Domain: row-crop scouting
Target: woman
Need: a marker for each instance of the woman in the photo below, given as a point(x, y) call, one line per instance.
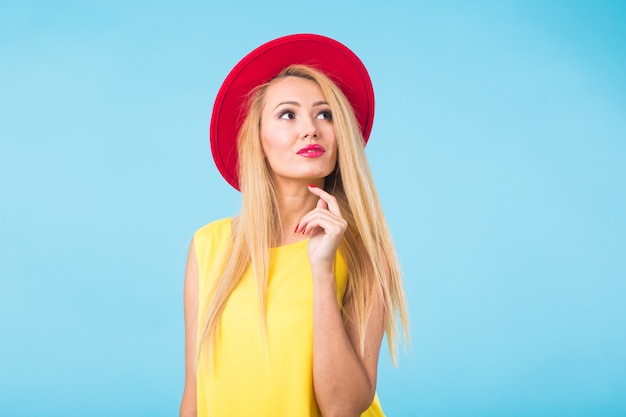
point(286, 304)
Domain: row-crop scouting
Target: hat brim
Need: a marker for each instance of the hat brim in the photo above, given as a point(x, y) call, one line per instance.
point(334, 59)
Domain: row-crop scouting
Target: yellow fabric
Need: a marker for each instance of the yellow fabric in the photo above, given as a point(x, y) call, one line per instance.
point(248, 379)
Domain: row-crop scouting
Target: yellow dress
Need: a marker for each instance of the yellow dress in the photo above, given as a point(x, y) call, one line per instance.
point(248, 378)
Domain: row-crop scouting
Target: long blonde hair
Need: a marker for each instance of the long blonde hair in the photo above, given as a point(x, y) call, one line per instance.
point(374, 270)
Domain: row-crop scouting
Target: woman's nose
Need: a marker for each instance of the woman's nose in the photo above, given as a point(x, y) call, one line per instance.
point(310, 134)
point(309, 130)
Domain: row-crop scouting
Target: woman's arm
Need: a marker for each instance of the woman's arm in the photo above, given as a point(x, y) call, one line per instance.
point(188, 403)
point(343, 380)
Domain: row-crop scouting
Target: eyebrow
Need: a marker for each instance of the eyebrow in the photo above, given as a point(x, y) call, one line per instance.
point(295, 103)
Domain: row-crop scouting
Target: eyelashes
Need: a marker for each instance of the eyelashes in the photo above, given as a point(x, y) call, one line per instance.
point(325, 115)
point(288, 114)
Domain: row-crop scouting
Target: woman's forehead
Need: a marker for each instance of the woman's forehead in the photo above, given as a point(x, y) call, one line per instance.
point(293, 90)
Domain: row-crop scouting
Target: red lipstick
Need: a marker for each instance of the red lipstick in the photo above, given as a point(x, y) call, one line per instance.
point(311, 151)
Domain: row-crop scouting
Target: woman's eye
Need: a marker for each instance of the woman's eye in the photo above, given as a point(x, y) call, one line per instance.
point(325, 115)
point(287, 114)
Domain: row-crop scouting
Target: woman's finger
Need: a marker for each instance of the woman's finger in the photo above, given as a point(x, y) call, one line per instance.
point(324, 219)
point(330, 200)
point(321, 204)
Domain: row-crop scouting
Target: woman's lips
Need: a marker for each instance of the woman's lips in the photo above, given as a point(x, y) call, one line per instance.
point(311, 151)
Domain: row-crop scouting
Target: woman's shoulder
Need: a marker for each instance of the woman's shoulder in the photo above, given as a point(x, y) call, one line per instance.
point(216, 230)
point(211, 239)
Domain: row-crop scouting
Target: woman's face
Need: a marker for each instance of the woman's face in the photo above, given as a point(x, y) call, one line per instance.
point(297, 132)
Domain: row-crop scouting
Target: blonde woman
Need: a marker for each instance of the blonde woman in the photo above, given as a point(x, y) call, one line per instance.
point(286, 304)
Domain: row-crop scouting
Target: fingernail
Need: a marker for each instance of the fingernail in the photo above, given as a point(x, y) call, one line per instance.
point(296, 229)
point(313, 185)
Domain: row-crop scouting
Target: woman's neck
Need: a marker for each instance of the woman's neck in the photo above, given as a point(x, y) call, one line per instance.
point(294, 201)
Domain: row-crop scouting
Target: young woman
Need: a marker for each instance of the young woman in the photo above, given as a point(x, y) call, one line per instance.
point(286, 304)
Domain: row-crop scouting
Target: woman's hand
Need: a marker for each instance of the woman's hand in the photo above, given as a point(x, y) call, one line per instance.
point(344, 377)
point(325, 226)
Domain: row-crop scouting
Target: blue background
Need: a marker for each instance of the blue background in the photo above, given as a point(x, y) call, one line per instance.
point(499, 151)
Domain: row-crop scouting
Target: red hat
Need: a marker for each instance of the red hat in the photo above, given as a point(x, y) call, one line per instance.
point(334, 59)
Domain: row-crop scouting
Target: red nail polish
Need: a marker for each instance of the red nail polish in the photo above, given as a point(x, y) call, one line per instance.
point(296, 229)
point(312, 185)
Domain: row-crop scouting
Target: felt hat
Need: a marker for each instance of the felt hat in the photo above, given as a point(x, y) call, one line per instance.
point(327, 55)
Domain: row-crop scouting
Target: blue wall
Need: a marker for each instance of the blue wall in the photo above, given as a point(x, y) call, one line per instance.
point(499, 150)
